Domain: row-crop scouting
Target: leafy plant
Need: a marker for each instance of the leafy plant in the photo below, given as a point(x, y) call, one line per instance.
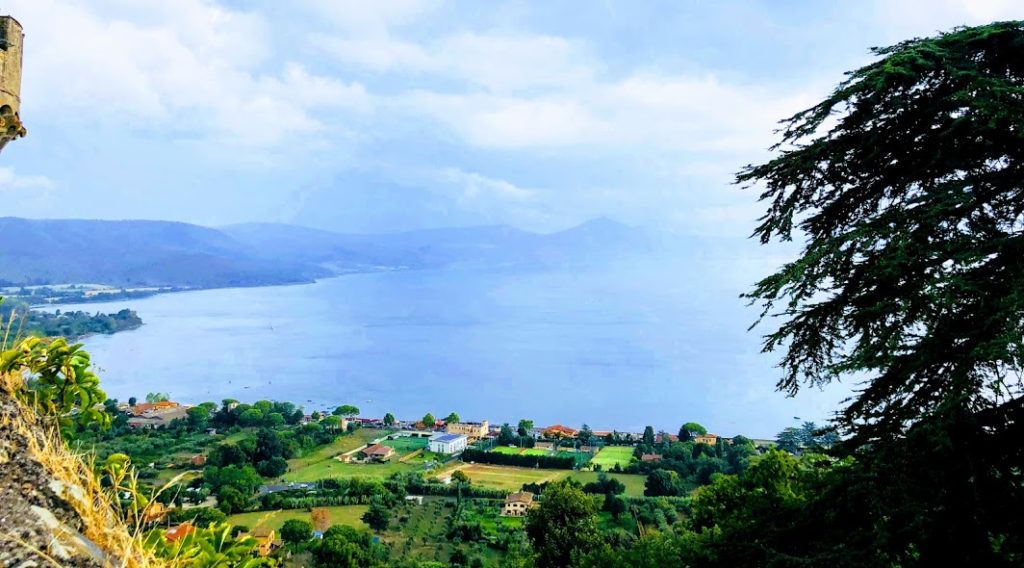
point(57, 381)
point(210, 547)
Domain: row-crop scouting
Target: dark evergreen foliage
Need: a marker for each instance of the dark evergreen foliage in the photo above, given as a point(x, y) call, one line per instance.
point(545, 462)
point(907, 184)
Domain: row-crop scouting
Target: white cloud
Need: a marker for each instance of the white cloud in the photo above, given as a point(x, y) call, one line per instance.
point(520, 90)
point(658, 112)
point(190, 67)
point(919, 18)
point(11, 181)
point(476, 186)
point(495, 121)
point(496, 62)
point(509, 62)
point(378, 54)
point(371, 18)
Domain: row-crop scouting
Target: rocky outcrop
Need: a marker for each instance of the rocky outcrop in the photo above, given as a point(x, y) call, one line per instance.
point(41, 523)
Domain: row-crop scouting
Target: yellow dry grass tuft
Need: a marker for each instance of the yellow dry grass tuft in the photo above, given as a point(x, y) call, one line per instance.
point(104, 522)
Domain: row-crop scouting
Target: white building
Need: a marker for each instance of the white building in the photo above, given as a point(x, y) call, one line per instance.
point(448, 443)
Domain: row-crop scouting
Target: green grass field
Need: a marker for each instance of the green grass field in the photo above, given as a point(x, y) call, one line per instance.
point(405, 445)
point(610, 455)
point(508, 478)
point(343, 444)
point(512, 478)
point(334, 469)
point(634, 483)
point(320, 464)
point(520, 451)
point(506, 450)
point(536, 452)
point(342, 515)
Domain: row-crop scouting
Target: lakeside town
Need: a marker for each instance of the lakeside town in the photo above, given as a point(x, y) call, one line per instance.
point(287, 144)
point(262, 465)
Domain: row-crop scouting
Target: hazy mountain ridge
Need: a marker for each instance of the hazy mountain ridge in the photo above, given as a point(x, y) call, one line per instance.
point(425, 248)
point(163, 253)
point(134, 253)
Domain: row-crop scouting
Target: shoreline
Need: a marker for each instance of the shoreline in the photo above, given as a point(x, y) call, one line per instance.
point(98, 299)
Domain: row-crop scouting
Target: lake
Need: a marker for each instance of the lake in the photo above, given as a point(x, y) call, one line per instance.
point(622, 346)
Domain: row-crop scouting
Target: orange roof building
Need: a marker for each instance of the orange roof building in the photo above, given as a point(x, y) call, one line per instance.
point(379, 452)
point(709, 439)
point(144, 407)
point(559, 431)
point(265, 541)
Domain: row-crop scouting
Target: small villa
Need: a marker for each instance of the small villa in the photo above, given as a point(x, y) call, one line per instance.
point(650, 457)
point(517, 504)
point(265, 541)
point(709, 439)
point(379, 452)
point(448, 443)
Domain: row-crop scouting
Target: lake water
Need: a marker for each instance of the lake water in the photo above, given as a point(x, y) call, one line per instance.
point(622, 346)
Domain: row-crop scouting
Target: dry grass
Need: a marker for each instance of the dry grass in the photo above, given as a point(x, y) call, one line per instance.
point(104, 522)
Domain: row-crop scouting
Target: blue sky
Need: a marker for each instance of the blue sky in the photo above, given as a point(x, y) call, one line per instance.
point(374, 116)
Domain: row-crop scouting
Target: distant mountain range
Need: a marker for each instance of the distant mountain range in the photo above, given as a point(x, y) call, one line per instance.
point(162, 253)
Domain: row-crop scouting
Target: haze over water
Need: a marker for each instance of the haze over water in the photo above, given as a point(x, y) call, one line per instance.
point(621, 346)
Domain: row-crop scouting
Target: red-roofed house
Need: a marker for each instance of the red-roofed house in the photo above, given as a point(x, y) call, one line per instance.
point(144, 407)
point(559, 431)
point(379, 452)
point(650, 457)
point(709, 439)
point(661, 437)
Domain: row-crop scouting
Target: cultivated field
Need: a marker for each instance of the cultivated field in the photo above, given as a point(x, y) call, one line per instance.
point(342, 515)
point(506, 477)
point(610, 455)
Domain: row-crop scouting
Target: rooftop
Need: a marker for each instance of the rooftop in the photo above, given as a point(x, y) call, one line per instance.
point(377, 449)
point(446, 437)
point(558, 428)
point(520, 497)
